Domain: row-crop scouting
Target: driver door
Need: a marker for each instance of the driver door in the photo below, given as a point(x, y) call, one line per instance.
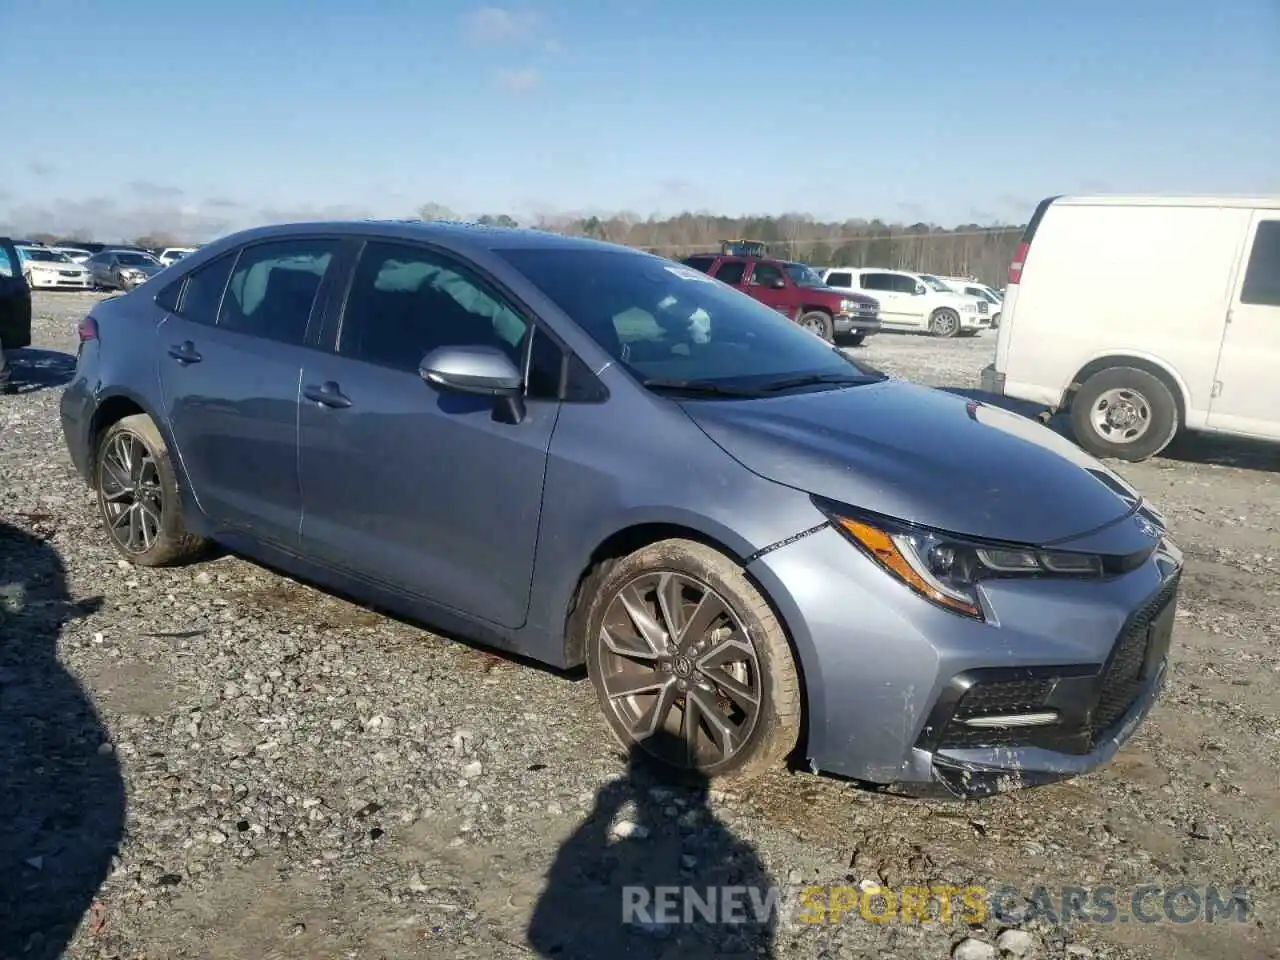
point(763, 286)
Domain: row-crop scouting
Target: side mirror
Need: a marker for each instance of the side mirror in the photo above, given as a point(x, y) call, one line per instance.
point(779, 284)
point(921, 289)
point(477, 370)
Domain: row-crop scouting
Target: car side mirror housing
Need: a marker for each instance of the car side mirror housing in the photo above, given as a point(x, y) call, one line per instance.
point(921, 290)
point(478, 370)
point(779, 284)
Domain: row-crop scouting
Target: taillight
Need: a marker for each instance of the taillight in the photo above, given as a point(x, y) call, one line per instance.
point(1019, 258)
point(88, 329)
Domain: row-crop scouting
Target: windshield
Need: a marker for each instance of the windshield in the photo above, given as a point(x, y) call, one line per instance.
point(936, 283)
point(663, 320)
point(135, 259)
point(38, 255)
point(804, 276)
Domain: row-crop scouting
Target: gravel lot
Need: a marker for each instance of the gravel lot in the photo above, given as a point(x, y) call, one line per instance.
point(218, 762)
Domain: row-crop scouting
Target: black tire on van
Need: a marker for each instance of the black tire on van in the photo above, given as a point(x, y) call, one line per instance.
point(1125, 413)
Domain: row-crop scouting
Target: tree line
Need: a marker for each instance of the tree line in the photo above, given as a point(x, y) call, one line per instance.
point(978, 250)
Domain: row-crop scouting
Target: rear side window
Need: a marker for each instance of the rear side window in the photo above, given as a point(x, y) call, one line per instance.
point(1262, 278)
point(202, 290)
point(274, 286)
point(699, 263)
point(840, 279)
point(731, 272)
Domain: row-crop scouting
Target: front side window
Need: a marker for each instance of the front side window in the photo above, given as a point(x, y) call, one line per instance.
point(902, 283)
point(1262, 276)
point(130, 259)
point(274, 286)
point(765, 274)
point(803, 275)
point(406, 301)
point(664, 321)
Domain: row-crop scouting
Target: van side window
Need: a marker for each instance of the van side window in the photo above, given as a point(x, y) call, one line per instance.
point(1262, 278)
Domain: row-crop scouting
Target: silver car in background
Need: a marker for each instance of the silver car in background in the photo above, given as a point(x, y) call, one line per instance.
point(122, 269)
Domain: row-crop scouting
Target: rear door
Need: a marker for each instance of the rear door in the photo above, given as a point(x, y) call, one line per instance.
point(432, 493)
point(1247, 392)
point(230, 358)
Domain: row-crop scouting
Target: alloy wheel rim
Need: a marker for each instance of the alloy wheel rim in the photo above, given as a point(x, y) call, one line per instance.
point(946, 324)
point(1121, 415)
point(675, 658)
point(132, 497)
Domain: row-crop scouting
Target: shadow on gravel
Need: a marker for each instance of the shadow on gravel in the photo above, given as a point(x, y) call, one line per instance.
point(605, 896)
point(35, 370)
point(62, 800)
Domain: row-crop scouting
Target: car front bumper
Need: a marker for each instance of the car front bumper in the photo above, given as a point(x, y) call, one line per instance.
point(975, 321)
point(48, 281)
point(846, 323)
point(892, 683)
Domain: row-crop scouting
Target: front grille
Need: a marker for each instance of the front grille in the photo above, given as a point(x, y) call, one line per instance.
point(982, 307)
point(995, 698)
point(1122, 677)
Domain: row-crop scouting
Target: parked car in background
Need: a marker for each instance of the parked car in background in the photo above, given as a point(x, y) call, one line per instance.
point(15, 302)
point(914, 301)
point(979, 291)
point(47, 269)
point(76, 254)
point(1182, 329)
point(171, 255)
point(587, 454)
point(796, 291)
point(122, 269)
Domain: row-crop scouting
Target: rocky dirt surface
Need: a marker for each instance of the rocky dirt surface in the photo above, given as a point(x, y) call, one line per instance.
point(215, 761)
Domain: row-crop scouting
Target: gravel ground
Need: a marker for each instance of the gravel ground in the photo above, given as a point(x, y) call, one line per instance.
point(218, 762)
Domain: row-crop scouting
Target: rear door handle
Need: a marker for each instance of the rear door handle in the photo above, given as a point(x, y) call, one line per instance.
point(328, 393)
point(185, 352)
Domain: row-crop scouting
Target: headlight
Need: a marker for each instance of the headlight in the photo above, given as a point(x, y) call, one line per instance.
point(945, 569)
point(848, 306)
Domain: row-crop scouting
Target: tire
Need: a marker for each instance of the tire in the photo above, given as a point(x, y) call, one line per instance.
point(944, 322)
point(1120, 396)
point(766, 667)
point(855, 339)
point(819, 323)
point(995, 321)
point(159, 507)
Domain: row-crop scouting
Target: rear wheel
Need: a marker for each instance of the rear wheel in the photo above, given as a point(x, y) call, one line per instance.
point(817, 322)
point(689, 663)
point(945, 322)
point(1125, 413)
point(138, 495)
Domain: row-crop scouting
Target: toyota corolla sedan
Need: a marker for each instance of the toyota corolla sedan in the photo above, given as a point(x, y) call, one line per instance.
point(586, 454)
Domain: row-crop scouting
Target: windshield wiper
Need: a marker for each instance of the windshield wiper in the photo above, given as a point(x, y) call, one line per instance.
point(817, 379)
point(703, 387)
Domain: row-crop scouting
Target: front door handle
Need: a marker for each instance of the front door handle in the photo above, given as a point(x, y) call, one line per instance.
point(185, 352)
point(328, 394)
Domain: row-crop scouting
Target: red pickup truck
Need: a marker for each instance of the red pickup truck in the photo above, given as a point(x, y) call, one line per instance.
point(796, 291)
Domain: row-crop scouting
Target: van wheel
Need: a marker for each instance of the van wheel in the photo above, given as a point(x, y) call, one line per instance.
point(817, 322)
point(945, 322)
point(690, 665)
point(1124, 413)
point(138, 496)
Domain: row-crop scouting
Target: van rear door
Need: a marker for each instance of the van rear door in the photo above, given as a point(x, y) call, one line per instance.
point(1246, 395)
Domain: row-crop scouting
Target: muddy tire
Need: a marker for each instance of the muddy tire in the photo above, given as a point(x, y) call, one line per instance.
point(690, 665)
point(138, 496)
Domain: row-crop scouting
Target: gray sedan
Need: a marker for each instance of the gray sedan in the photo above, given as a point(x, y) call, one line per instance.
point(122, 269)
point(587, 455)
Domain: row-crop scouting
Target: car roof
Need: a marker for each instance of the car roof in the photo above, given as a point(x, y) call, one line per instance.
point(456, 234)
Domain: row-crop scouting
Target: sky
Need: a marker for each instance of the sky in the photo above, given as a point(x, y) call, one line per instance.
point(198, 118)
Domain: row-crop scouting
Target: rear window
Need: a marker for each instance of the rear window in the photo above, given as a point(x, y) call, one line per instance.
point(699, 263)
point(1262, 278)
point(731, 272)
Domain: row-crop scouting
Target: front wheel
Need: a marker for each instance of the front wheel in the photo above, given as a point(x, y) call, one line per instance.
point(945, 322)
point(1124, 413)
point(820, 324)
point(138, 495)
point(690, 665)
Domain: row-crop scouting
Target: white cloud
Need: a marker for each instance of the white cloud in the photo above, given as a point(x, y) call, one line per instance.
point(495, 25)
point(519, 81)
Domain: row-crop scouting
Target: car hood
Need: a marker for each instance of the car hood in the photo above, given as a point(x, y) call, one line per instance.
point(922, 455)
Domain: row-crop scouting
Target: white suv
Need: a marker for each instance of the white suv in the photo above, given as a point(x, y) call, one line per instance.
point(976, 288)
point(914, 301)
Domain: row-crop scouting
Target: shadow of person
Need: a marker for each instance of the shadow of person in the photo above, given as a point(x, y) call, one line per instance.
point(652, 872)
point(62, 800)
point(34, 369)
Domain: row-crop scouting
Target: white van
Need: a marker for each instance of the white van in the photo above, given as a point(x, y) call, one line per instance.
point(914, 301)
point(1180, 330)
